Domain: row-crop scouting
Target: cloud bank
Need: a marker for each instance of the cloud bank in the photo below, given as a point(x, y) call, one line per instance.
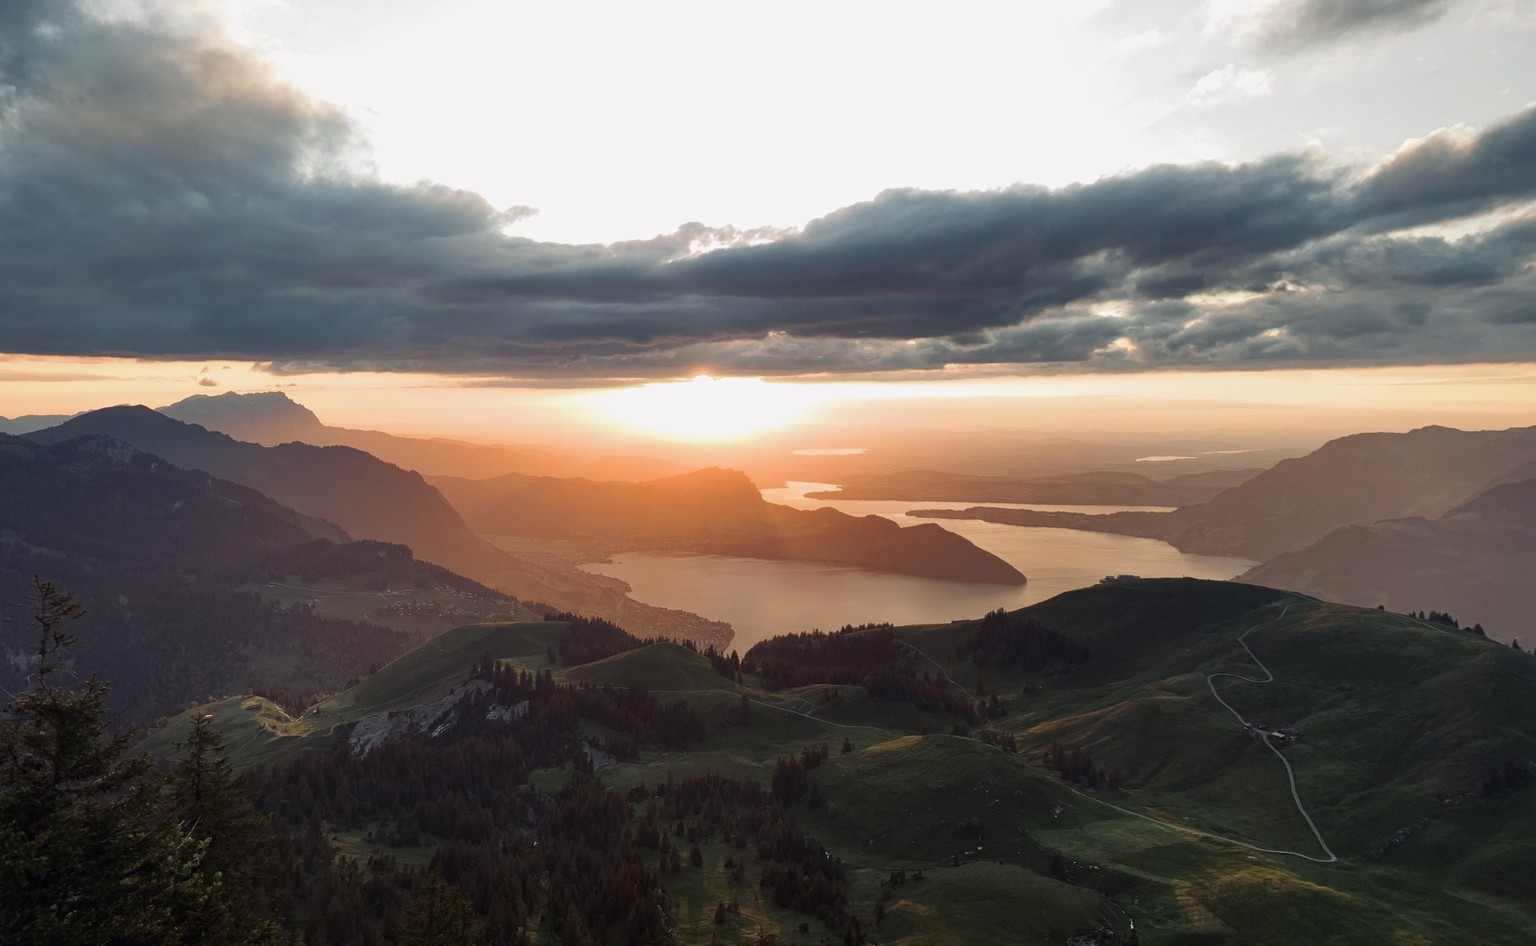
point(164, 194)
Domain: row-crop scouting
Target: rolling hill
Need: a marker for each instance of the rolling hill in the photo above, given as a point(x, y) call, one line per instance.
point(1414, 757)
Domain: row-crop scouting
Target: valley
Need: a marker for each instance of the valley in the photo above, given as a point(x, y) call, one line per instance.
point(679, 474)
point(1170, 755)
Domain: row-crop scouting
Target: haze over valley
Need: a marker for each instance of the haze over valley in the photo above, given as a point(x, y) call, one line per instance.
point(679, 474)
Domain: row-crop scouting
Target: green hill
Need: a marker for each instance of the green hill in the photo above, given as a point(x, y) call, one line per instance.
point(982, 902)
point(921, 799)
point(662, 667)
point(437, 666)
point(1413, 760)
point(257, 731)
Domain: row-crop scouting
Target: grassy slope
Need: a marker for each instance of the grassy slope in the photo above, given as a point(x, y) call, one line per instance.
point(256, 731)
point(1143, 705)
point(1392, 713)
point(661, 667)
point(983, 902)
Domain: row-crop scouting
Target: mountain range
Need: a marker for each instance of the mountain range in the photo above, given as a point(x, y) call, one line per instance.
point(1355, 480)
point(370, 498)
point(272, 418)
point(27, 423)
point(1474, 562)
point(1414, 521)
point(162, 556)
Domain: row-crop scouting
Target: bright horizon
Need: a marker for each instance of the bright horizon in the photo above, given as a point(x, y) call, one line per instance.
point(735, 410)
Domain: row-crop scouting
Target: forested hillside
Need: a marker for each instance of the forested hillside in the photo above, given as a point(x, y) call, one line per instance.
point(176, 565)
point(1050, 775)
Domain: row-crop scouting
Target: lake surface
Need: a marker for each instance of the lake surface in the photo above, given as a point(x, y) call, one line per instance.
point(761, 598)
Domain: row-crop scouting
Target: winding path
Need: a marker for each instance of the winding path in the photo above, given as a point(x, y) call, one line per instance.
point(1290, 775)
point(1175, 826)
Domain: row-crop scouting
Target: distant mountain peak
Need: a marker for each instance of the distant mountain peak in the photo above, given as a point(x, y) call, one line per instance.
point(120, 414)
point(267, 417)
point(711, 481)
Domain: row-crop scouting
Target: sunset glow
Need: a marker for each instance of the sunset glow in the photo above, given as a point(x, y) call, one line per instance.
point(420, 399)
point(705, 408)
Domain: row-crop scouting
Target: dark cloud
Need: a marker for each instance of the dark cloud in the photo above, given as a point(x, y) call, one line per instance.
point(1454, 171)
point(162, 193)
point(1356, 261)
point(1298, 24)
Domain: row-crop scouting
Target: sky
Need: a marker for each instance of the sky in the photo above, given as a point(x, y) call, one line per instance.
point(400, 205)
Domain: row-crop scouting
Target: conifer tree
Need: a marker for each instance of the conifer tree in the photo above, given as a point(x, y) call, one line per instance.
point(212, 806)
point(87, 856)
point(441, 916)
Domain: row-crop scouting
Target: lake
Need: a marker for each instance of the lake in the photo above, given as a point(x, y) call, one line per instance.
point(762, 598)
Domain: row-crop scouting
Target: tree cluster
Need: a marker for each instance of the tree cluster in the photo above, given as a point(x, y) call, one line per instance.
point(588, 639)
point(1442, 617)
point(579, 876)
point(1004, 641)
point(1077, 766)
point(844, 657)
point(1006, 741)
point(796, 871)
point(870, 656)
point(791, 782)
point(553, 708)
point(925, 692)
point(727, 665)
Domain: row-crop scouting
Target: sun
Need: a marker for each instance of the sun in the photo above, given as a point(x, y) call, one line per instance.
point(704, 408)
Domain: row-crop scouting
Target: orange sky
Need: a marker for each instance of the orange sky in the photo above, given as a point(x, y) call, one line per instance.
point(1326, 401)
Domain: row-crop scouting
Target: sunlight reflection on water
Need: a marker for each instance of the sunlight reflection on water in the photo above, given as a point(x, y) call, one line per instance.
point(761, 598)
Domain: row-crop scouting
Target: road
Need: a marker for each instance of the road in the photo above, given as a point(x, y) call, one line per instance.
point(1290, 774)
